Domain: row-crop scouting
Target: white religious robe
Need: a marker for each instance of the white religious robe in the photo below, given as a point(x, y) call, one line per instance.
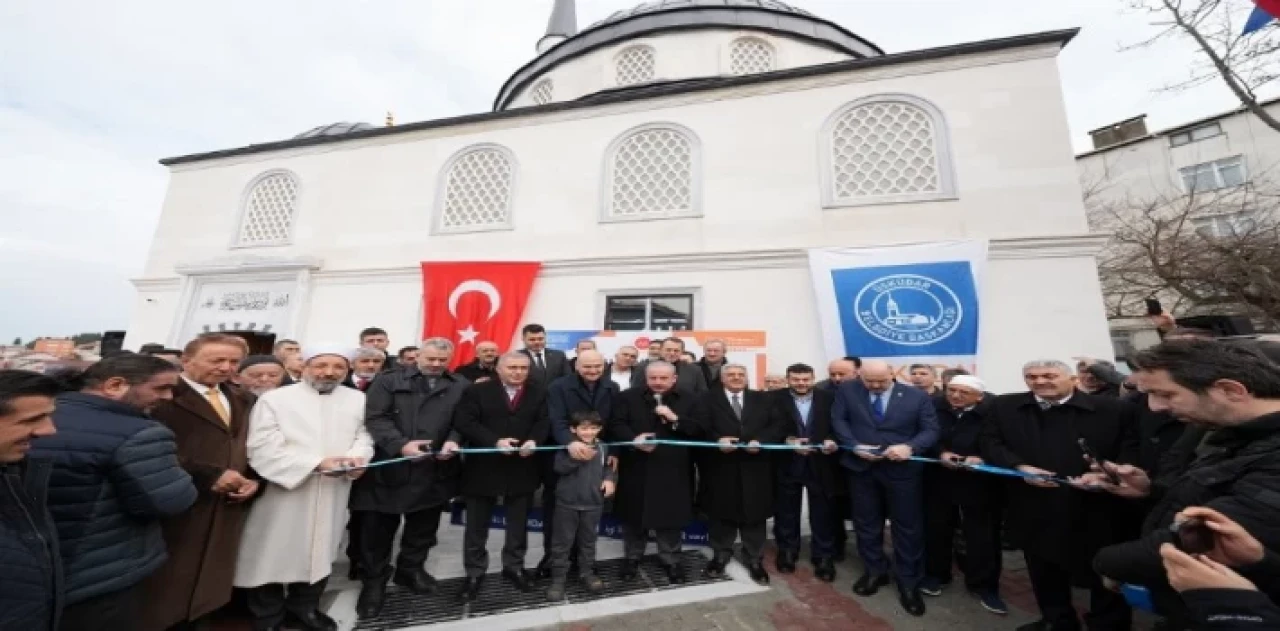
point(294, 528)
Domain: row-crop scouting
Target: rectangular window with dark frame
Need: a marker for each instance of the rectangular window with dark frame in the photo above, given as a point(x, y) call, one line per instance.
point(657, 312)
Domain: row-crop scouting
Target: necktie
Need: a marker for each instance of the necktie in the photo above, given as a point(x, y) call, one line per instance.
point(541, 365)
point(215, 401)
point(736, 401)
point(877, 407)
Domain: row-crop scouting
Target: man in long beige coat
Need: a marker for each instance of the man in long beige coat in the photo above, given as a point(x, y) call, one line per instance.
point(302, 440)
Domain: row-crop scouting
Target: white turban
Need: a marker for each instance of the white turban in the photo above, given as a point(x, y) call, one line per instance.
point(968, 381)
point(312, 351)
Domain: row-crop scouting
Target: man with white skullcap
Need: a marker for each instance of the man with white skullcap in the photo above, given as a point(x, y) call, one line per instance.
point(956, 496)
point(304, 440)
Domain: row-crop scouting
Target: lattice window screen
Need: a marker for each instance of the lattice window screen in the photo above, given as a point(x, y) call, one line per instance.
point(749, 55)
point(882, 149)
point(478, 190)
point(652, 174)
point(268, 213)
point(635, 65)
point(542, 92)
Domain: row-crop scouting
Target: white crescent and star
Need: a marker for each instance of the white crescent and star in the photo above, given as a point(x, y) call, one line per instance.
point(469, 334)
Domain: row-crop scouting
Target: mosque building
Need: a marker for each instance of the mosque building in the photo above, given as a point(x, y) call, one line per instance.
point(669, 166)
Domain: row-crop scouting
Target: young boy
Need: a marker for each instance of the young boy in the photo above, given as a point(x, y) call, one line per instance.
point(580, 495)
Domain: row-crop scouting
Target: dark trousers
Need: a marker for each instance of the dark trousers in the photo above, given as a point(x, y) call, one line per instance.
point(354, 523)
point(980, 528)
point(574, 525)
point(723, 533)
point(549, 479)
point(269, 603)
point(475, 557)
point(115, 611)
point(635, 538)
point(377, 532)
point(789, 503)
point(1051, 582)
point(840, 513)
point(900, 486)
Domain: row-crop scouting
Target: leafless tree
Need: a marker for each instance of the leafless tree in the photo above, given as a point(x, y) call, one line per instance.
point(1215, 251)
point(1245, 63)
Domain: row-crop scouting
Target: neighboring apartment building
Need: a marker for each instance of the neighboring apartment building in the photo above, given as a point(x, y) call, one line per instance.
point(1131, 166)
point(57, 347)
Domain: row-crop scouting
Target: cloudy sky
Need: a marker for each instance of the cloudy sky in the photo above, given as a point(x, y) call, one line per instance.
point(93, 93)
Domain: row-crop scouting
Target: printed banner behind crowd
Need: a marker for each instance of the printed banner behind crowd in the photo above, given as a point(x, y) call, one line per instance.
point(905, 304)
point(742, 347)
point(472, 302)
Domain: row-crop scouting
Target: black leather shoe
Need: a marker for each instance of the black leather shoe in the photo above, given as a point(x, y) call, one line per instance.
point(824, 570)
point(786, 562)
point(675, 574)
point(544, 568)
point(868, 584)
point(714, 569)
point(912, 602)
point(470, 589)
point(417, 581)
point(311, 621)
point(373, 595)
point(629, 570)
point(758, 573)
point(520, 579)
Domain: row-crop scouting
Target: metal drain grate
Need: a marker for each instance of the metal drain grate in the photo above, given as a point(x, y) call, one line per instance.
point(405, 609)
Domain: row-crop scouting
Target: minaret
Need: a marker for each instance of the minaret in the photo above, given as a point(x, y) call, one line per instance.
point(562, 25)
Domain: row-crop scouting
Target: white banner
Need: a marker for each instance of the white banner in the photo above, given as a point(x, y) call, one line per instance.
point(905, 304)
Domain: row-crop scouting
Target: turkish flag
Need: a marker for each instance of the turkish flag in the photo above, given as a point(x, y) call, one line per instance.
point(472, 302)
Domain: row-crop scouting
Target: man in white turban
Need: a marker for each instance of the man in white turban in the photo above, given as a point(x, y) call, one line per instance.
point(306, 441)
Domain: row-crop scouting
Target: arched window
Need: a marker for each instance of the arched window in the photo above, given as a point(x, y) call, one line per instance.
point(652, 172)
point(267, 215)
point(476, 190)
point(542, 92)
point(751, 55)
point(635, 65)
point(886, 148)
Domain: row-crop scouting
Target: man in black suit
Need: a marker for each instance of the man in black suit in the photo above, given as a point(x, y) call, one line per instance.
point(586, 391)
point(1059, 529)
point(811, 468)
point(886, 423)
point(839, 371)
point(737, 480)
point(688, 376)
point(485, 366)
point(509, 413)
point(546, 364)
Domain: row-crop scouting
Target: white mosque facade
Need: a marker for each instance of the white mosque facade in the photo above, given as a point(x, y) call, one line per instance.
point(683, 154)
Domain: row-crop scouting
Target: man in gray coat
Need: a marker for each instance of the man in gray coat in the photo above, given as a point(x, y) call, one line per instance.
point(408, 413)
point(689, 377)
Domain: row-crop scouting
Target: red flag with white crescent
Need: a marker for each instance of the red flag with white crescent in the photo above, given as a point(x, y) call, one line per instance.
point(472, 302)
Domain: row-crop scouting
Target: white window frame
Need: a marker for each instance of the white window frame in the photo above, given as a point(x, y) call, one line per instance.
point(947, 189)
point(1216, 166)
point(618, 58)
point(1225, 224)
point(442, 186)
point(247, 194)
point(1189, 136)
point(603, 296)
point(695, 192)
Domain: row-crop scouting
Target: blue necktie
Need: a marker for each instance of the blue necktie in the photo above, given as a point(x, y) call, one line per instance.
point(877, 407)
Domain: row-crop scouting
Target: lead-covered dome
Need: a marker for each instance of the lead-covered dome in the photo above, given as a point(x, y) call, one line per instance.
point(662, 17)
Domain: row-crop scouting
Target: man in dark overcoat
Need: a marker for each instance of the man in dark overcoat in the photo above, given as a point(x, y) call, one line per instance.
point(737, 480)
point(1058, 528)
point(408, 413)
point(653, 480)
point(585, 391)
point(509, 413)
point(210, 421)
point(813, 469)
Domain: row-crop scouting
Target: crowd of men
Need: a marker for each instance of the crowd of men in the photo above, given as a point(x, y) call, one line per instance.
point(140, 492)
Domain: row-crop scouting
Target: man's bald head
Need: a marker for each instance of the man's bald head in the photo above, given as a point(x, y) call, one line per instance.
point(590, 365)
point(841, 370)
point(877, 375)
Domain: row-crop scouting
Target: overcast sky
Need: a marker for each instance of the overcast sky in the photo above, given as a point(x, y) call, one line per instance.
point(93, 93)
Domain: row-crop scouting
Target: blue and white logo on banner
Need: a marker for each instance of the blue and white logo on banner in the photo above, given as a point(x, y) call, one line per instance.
point(908, 310)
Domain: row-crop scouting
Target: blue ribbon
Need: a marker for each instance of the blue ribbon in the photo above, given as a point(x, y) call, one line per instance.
point(702, 444)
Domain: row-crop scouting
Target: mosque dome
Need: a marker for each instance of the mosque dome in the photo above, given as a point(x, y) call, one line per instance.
point(777, 23)
point(333, 129)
